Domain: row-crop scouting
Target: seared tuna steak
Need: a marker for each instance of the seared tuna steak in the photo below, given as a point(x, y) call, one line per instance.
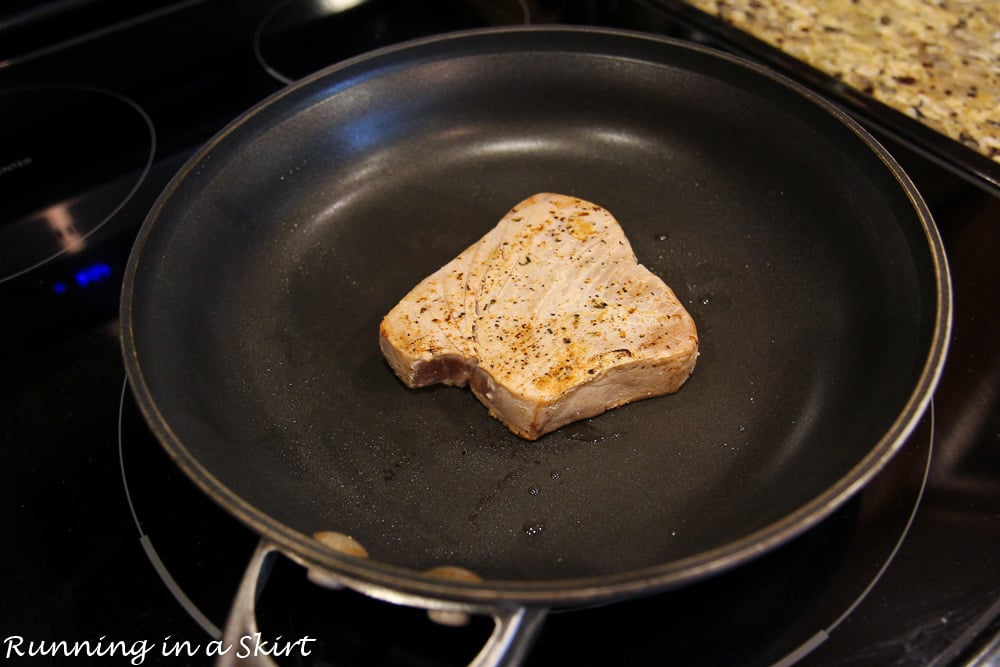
point(549, 318)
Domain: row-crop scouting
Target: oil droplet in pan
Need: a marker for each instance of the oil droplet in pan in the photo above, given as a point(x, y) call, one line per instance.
point(533, 527)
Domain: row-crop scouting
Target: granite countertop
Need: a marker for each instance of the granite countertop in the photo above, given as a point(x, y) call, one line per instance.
point(937, 61)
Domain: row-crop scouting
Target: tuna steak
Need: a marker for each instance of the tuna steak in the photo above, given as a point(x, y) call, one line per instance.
point(549, 318)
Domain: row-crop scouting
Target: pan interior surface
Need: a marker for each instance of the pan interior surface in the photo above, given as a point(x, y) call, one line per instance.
point(262, 275)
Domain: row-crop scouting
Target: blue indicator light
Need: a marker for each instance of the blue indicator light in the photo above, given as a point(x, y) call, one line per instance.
point(92, 274)
point(85, 278)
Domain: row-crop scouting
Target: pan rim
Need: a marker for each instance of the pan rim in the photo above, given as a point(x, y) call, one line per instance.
point(398, 583)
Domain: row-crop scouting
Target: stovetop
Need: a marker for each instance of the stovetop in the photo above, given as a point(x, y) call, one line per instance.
point(102, 102)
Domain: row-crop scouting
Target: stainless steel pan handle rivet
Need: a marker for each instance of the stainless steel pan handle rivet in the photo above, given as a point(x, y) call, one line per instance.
point(341, 543)
point(451, 617)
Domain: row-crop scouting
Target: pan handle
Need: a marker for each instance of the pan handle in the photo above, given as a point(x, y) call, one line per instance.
point(242, 621)
point(514, 632)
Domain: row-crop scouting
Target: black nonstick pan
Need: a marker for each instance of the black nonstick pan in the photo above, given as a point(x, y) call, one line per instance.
point(254, 292)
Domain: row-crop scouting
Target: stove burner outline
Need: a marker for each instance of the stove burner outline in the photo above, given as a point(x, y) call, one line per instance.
point(258, 36)
point(70, 238)
point(824, 633)
point(147, 544)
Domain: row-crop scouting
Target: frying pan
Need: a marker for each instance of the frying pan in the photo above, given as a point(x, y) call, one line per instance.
point(253, 296)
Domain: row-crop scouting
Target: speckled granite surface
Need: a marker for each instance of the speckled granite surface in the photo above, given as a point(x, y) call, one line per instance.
point(937, 61)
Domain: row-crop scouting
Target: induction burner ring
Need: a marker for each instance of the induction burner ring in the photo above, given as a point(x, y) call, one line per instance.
point(299, 37)
point(824, 633)
point(175, 589)
point(838, 610)
point(71, 158)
